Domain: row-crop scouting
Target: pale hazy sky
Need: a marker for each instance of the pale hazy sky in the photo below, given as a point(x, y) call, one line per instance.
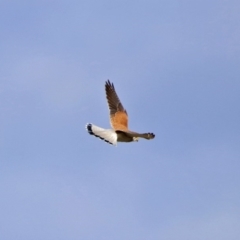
point(175, 66)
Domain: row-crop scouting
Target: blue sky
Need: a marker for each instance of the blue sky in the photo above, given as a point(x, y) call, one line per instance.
point(175, 66)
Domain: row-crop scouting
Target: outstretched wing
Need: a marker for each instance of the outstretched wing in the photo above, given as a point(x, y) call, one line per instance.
point(118, 115)
point(108, 135)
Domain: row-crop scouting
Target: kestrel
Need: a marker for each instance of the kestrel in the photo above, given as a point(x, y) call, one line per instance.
point(118, 120)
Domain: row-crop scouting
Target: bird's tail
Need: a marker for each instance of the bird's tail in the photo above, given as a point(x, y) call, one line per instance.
point(142, 135)
point(146, 135)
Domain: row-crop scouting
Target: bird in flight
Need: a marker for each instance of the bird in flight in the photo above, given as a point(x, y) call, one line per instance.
point(118, 120)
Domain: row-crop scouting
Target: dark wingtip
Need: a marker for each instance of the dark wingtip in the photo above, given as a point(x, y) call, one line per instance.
point(108, 84)
point(89, 128)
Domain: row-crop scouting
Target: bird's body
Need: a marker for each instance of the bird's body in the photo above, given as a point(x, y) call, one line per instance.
point(118, 120)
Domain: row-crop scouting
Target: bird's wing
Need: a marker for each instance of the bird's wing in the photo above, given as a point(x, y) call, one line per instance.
point(108, 135)
point(118, 115)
